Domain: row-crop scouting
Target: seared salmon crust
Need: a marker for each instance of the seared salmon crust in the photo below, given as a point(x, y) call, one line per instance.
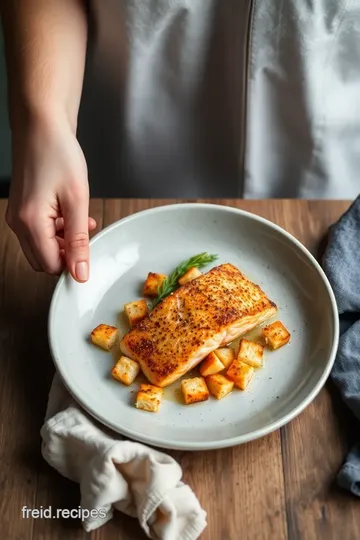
point(206, 313)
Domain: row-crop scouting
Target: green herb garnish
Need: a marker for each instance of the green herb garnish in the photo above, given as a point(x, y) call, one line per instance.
point(170, 284)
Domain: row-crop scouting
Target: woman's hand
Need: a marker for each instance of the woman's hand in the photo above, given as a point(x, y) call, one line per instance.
point(49, 198)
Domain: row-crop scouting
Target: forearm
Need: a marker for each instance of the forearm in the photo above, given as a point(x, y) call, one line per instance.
point(45, 47)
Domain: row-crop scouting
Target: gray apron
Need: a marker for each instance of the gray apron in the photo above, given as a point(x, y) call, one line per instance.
point(223, 98)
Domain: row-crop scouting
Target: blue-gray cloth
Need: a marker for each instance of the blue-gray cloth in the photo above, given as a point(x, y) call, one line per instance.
point(341, 263)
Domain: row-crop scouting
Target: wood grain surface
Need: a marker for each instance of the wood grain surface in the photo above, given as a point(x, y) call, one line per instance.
point(279, 487)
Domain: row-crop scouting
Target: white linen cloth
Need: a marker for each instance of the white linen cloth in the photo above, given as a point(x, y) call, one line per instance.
point(114, 473)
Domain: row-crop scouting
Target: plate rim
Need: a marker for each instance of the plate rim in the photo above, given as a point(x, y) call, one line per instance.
point(223, 443)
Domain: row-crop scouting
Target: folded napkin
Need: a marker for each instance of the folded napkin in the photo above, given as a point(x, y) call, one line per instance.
point(341, 263)
point(114, 473)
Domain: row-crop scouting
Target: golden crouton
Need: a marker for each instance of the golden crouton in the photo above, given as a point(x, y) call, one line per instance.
point(240, 373)
point(251, 353)
point(104, 336)
point(225, 355)
point(219, 386)
point(125, 370)
point(194, 390)
point(275, 335)
point(149, 398)
point(191, 274)
point(211, 365)
point(153, 283)
point(136, 311)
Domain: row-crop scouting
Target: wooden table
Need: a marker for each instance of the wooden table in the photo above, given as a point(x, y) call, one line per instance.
point(279, 487)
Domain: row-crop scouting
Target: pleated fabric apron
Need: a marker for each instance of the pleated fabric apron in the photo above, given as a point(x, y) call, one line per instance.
point(222, 98)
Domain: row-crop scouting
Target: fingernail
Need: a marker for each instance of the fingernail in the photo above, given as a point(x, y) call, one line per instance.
point(82, 271)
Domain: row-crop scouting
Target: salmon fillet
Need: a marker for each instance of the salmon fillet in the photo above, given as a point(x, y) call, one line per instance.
point(207, 313)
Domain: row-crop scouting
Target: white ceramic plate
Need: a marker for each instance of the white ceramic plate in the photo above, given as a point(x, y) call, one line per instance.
point(157, 240)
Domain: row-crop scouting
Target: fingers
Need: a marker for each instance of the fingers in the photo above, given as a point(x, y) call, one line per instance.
point(45, 246)
point(29, 254)
point(59, 223)
point(61, 242)
point(36, 234)
point(92, 224)
point(76, 236)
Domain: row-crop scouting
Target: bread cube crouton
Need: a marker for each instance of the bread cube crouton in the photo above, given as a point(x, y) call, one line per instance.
point(211, 365)
point(191, 274)
point(104, 336)
point(225, 355)
point(275, 335)
point(251, 353)
point(125, 370)
point(240, 373)
point(136, 311)
point(194, 390)
point(153, 283)
point(149, 398)
point(219, 386)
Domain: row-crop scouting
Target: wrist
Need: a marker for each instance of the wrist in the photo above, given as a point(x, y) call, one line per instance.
point(27, 117)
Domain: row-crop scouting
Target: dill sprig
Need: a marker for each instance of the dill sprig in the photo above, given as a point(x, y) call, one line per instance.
point(170, 284)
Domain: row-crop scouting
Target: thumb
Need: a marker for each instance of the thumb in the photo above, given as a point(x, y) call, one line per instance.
point(76, 238)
